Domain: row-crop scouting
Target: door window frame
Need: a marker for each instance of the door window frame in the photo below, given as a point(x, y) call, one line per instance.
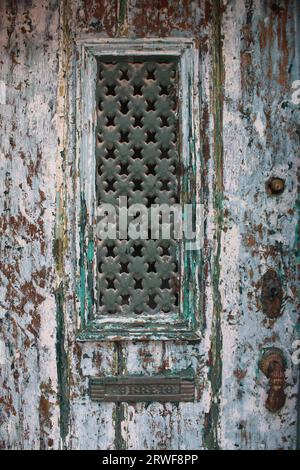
point(186, 324)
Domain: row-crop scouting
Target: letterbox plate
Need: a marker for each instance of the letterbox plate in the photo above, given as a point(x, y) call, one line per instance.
point(142, 389)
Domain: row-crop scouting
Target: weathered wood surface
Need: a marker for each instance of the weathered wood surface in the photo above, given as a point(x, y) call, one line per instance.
point(249, 63)
point(29, 44)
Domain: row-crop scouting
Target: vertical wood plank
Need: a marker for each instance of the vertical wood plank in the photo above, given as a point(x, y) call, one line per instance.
point(260, 140)
point(28, 76)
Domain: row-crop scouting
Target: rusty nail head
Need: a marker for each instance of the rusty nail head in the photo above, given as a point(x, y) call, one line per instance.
point(275, 186)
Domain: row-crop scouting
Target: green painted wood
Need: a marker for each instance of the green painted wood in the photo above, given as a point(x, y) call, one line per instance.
point(105, 143)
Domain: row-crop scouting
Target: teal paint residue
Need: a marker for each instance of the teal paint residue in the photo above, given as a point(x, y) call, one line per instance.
point(62, 364)
point(82, 269)
point(297, 232)
point(297, 328)
point(86, 283)
point(297, 325)
point(90, 277)
point(297, 251)
point(122, 11)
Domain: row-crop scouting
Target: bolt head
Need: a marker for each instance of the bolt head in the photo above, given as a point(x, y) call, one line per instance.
point(275, 186)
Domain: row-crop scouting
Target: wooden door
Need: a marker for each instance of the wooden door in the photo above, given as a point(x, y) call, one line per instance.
point(234, 347)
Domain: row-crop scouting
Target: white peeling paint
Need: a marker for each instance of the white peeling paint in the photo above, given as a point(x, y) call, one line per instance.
point(2, 92)
point(2, 352)
point(260, 125)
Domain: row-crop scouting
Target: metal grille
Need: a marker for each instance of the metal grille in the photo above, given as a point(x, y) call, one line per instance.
point(137, 157)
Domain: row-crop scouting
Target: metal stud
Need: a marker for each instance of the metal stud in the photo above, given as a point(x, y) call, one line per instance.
point(275, 186)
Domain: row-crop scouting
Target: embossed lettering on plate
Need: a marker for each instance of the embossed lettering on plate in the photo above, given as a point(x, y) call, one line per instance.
point(137, 388)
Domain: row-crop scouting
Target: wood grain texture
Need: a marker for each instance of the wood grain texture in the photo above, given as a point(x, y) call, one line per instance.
point(260, 140)
point(29, 45)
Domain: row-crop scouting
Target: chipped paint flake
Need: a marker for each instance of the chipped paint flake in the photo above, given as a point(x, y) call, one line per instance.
point(260, 125)
point(2, 92)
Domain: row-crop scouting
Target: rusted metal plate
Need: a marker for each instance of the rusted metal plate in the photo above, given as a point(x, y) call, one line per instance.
point(141, 389)
point(271, 294)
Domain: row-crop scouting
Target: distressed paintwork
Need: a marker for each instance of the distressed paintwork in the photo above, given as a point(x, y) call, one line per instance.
point(29, 38)
point(184, 324)
point(260, 140)
point(249, 132)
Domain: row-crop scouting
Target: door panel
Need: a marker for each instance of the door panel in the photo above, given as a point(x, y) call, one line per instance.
point(259, 143)
point(148, 425)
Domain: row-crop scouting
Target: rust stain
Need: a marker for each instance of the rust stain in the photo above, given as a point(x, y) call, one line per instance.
point(249, 240)
point(240, 374)
point(274, 44)
point(262, 35)
point(270, 38)
point(271, 339)
point(246, 68)
point(45, 412)
point(97, 359)
point(165, 17)
point(34, 167)
point(283, 45)
point(98, 15)
point(13, 225)
point(259, 229)
point(7, 404)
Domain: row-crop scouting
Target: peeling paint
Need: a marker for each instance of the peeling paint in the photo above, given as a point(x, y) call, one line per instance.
point(2, 92)
point(249, 133)
point(211, 438)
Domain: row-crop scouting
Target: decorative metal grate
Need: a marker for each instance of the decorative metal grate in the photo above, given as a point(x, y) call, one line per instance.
point(137, 157)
